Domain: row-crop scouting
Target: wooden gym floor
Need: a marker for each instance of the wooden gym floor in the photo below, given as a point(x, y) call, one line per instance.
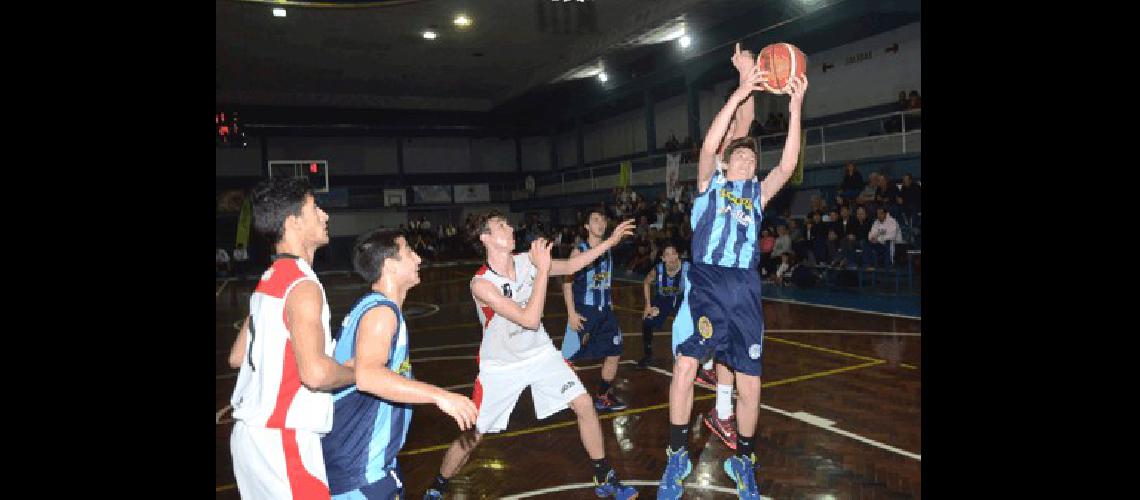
point(840, 418)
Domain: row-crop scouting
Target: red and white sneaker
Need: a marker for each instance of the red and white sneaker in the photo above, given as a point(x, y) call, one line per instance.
point(707, 377)
point(725, 429)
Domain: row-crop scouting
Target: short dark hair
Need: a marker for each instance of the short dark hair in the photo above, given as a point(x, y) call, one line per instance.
point(671, 243)
point(274, 200)
point(480, 226)
point(370, 250)
point(746, 142)
point(593, 211)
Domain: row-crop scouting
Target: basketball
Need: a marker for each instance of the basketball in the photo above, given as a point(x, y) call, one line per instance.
point(782, 61)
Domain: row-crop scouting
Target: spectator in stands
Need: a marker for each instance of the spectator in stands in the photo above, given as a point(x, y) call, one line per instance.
point(241, 256)
point(815, 232)
point(783, 245)
point(903, 103)
point(868, 193)
point(886, 195)
point(818, 206)
point(851, 185)
point(847, 255)
point(834, 255)
point(222, 260)
point(767, 244)
point(880, 244)
point(860, 228)
point(425, 224)
point(846, 223)
point(672, 145)
point(787, 266)
point(915, 100)
point(642, 260)
point(796, 234)
point(909, 199)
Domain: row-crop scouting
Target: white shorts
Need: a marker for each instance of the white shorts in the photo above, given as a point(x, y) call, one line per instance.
point(276, 464)
point(553, 384)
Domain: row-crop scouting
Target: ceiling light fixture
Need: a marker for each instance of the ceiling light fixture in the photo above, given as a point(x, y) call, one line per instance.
point(430, 35)
point(603, 77)
point(462, 20)
point(278, 12)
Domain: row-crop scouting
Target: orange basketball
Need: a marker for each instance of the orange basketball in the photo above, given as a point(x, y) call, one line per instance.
point(782, 61)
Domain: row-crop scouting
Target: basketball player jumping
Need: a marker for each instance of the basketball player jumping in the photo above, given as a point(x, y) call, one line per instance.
point(516, 352)
point(725, 296)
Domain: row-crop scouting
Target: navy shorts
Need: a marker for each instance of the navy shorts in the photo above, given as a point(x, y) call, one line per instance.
point(667, 307)
point(725, 307)
point(390, 486)
point(604, 335)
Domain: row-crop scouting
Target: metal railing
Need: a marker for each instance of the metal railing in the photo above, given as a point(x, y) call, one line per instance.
point(885, 134)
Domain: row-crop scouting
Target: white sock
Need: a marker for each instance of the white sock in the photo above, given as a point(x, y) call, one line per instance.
point(708, 364)
point(724, 401)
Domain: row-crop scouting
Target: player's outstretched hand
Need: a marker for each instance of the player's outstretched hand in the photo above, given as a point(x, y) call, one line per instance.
point(797, 86)
point(576, 320)
point(743, 61)
point(622, 230)
point(650, 312)
point(540, 254)
point(458, 407)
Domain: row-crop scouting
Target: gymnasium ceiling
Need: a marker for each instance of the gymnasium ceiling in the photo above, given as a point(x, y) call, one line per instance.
point(372, 55)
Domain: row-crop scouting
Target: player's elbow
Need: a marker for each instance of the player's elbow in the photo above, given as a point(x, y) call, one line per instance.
point(316, 376)
point(235, 360)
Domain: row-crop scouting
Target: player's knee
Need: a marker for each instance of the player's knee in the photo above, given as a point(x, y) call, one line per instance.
point(685, 366)
point(582, 405)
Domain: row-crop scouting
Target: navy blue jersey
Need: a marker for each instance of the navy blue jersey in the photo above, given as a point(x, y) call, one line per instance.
point(367, 431)
point(725, 221)
point(592, 283)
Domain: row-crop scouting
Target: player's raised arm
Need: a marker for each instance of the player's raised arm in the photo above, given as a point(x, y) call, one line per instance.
point(561, 267)
point(719, 126)
point(743, 61)
point(779, 176)
point(530, 317)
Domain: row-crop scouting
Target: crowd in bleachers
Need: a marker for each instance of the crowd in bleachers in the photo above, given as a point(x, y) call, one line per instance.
point(861, 226)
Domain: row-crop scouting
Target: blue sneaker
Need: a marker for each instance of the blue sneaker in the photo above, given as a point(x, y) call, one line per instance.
point(676, 471)
point(613, 488)
point(740, 470)
point(433, 494)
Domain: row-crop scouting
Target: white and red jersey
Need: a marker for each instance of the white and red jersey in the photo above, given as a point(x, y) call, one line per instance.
point(269, 392)
point(504, 341)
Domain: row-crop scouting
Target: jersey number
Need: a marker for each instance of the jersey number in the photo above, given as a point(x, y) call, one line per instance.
point(249, 350)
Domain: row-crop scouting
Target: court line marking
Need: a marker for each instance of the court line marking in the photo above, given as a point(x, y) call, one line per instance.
point(818, 421)
point(631, 411)
point(628, 482)
point(223, 287)
point(656, 334)
point(791, 301)
point(576, 368)
point(634, 411)
point(828, 306)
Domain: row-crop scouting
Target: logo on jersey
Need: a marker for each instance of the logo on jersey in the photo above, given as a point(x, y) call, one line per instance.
point(617, 339)
point(405, 366)
point(669, 291)
point(704, 326)
point(754, 351)
point(507, 290)
point(567, 387)
point(265, 276)
point(600, 280)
